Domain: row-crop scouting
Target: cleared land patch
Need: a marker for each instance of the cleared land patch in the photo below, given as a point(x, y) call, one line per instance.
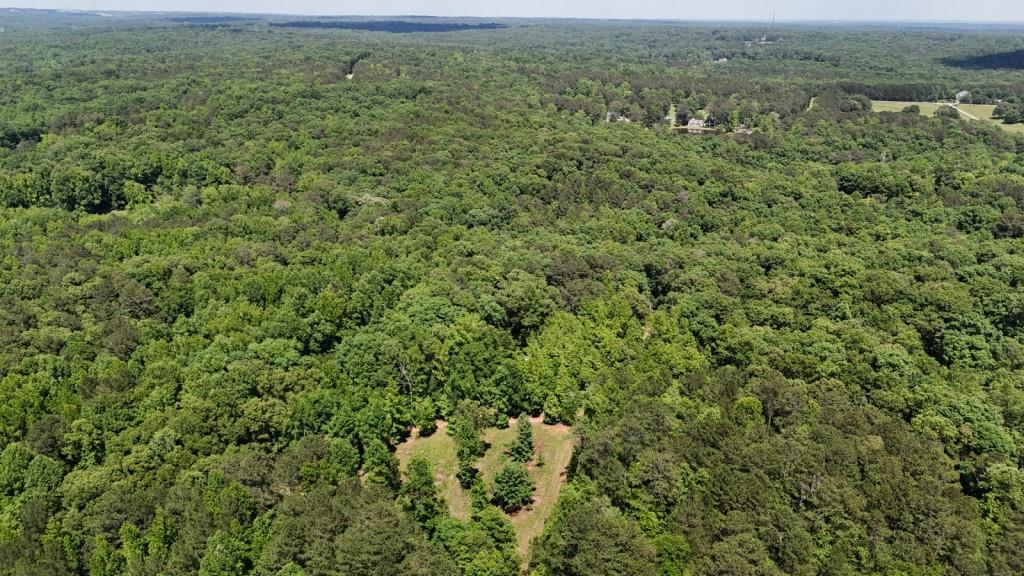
point(982, 112)
point(553, 446)
point(927, 108)
point(439, 450)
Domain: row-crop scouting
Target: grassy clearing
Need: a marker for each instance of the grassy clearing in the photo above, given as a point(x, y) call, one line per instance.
point(927, 108)
point(982, 112)
point(439, 450)
point(1015, 128)
point(553, 444)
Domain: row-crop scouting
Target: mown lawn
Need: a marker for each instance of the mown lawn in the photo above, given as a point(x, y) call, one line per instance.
point(927, 108)
point(981, 111)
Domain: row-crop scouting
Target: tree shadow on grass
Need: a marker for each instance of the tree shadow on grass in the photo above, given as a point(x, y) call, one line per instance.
point(998, 60)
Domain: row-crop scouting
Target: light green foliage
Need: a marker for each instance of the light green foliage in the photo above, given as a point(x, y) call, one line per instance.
point(233, 279)
point(749, 409)
point(225, 556)
point(14, 461)
point(291, 569)
point(104, 560)
point(673, 554)
point(425, 417)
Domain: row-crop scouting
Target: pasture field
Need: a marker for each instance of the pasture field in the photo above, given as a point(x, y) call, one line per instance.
point(927, 108)
point(982, 112)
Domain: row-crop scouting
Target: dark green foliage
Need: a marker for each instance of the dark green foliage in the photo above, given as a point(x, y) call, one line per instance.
point(513, 487)
point(521, 449)
point(232, 280)
point(484, 546)
point(479, 499)
point(418, 495)
point(878, 179)
point(465, 429)
point(1009, 112)
point(947, 112)
point(381, 465)
point(380, 542)
point(592, 538)
point(347, 530)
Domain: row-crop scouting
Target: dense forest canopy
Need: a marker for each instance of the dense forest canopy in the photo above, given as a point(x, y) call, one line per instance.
point(239, 262)
point(397, 26)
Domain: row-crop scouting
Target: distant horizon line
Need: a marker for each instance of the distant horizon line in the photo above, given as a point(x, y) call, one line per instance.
point(776, 20)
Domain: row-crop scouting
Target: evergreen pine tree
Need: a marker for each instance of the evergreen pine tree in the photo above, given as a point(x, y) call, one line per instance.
point(521, 449)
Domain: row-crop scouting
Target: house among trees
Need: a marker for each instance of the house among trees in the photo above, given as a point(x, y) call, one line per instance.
point(962, 95)
point(697, 126)
point(617, 117)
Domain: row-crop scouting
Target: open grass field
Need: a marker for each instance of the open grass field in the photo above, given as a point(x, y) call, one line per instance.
point(982, 112)
point(927, 108)
point(553, 445)
point(439, 450)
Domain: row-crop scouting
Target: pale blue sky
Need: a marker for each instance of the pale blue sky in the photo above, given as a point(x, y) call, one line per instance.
point(930, 10)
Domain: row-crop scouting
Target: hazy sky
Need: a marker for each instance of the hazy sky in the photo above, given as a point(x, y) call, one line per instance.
point(981, 10)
